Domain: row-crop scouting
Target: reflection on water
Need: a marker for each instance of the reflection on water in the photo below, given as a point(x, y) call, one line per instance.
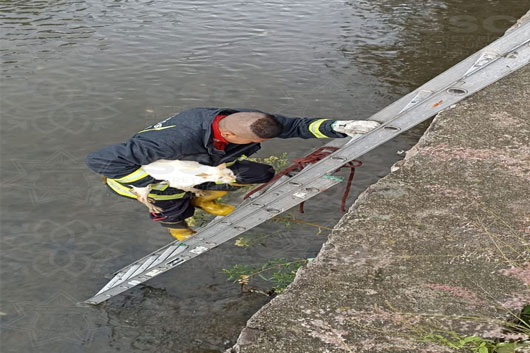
point(417, 41)
point(77, 75)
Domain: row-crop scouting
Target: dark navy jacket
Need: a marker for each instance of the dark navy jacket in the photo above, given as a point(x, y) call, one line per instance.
point(188, 136)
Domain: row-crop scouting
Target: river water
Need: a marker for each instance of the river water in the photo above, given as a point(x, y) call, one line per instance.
point(80, 74)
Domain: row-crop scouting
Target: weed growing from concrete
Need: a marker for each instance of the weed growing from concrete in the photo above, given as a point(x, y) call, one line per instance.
point(476, 344)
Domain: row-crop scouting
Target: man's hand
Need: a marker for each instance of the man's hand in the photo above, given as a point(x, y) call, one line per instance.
point(353, 127)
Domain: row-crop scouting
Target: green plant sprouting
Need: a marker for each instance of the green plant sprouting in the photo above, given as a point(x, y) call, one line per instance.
point(280, 272)
point(472, 344)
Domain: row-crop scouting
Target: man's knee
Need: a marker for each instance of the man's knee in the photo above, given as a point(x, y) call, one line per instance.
point(267, 172)
point(248, 172)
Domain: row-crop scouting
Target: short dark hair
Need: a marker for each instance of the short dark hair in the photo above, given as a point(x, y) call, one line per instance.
point(266, 127)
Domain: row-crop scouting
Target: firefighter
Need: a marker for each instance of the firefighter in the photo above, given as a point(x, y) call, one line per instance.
point(210, 136)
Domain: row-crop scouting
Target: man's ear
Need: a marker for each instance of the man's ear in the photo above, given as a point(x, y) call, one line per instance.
point(227, 133)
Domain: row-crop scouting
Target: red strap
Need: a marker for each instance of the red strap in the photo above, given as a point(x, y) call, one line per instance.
point(156, 217)
point(314, 157)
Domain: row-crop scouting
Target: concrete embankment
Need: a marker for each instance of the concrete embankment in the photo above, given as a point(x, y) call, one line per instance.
point(439, 246)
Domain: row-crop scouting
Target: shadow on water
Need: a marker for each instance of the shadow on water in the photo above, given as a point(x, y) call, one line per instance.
point(81, 74)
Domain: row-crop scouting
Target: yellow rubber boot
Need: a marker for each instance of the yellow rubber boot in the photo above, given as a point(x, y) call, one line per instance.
point(208, 203)
point(181, 234)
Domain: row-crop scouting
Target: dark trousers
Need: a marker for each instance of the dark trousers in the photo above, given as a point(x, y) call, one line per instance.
point(175, 211)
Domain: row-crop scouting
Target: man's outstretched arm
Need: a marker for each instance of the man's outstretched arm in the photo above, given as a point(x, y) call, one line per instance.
point(323, 128)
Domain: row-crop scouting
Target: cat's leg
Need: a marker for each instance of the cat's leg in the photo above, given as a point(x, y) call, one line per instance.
point(142, 195)
point(197, 192)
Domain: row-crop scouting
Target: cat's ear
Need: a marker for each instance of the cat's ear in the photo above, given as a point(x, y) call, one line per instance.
point(222, 166)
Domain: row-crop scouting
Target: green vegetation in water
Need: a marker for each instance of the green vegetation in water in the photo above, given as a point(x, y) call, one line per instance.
point(279, 272)
point(252, 240)
point(288, 221)
point(277, 162)
point(199, 218)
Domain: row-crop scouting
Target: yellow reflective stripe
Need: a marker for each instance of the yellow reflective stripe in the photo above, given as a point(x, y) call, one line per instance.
point(157, 128)
point(314, 128)
point(125, 191)
point(159, 186)
point(120, 189)
point(167, 197)
point(134, 176)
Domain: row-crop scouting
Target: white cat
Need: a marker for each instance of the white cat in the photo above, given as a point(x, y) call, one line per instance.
point(183, 175)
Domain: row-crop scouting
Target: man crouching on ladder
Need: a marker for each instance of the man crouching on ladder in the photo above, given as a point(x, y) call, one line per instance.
point(209, 137)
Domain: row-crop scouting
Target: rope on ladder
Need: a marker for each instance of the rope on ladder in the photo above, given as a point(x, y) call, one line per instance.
point(301, 163)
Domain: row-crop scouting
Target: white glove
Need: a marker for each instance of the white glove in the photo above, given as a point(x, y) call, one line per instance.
point(353, 127)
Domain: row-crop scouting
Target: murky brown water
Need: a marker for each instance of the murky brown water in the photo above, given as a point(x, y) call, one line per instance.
point(77, 75)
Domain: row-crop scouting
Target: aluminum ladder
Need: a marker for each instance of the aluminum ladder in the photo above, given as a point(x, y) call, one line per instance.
point(497, 60)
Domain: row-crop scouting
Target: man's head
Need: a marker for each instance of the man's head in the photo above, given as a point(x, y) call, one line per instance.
point(248, 127)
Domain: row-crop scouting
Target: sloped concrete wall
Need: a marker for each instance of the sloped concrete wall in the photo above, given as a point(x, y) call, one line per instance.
point(441, 243)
